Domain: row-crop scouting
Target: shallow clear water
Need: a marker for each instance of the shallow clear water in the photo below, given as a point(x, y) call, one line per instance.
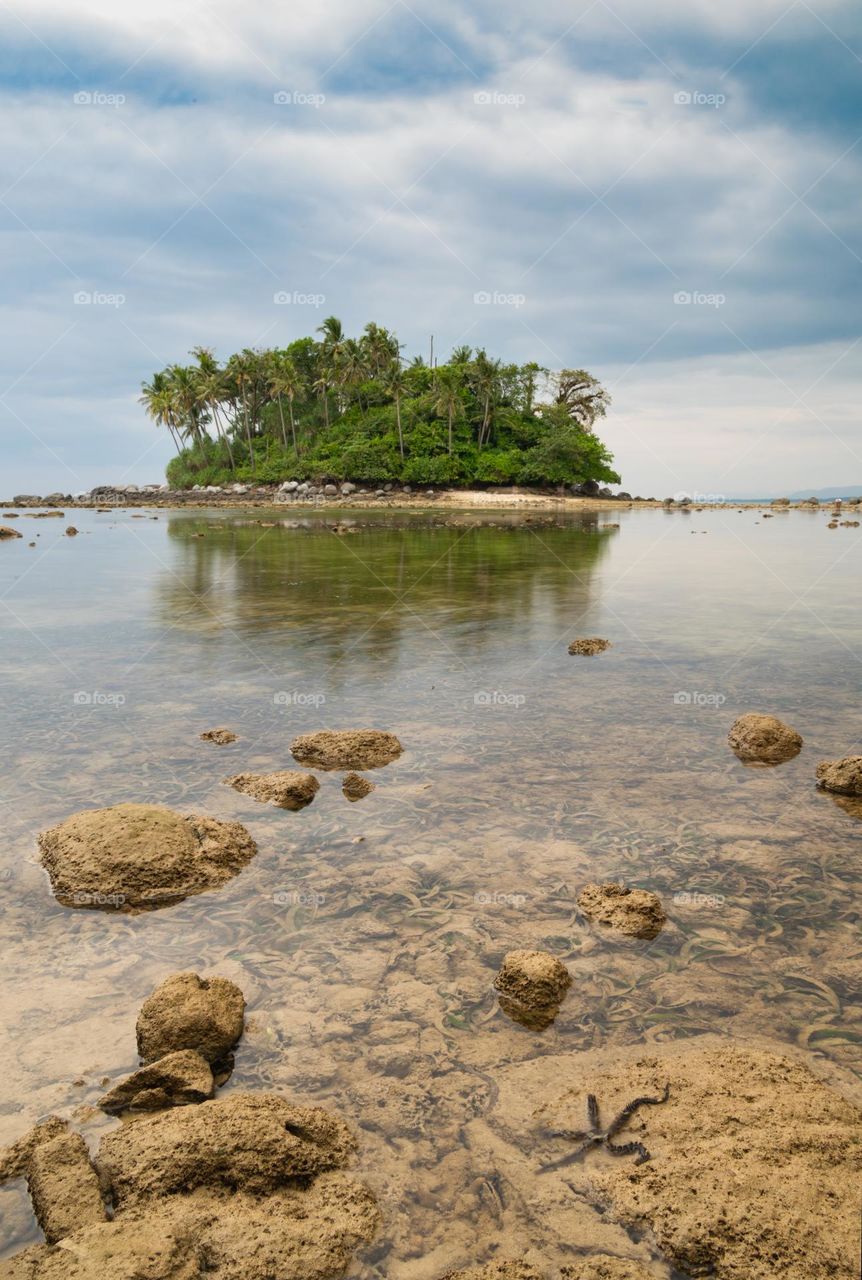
point(366, 936)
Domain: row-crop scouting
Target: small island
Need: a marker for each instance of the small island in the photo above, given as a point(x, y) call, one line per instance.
point(352, 409)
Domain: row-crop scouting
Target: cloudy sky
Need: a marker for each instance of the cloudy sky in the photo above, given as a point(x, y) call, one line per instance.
point(664, 193)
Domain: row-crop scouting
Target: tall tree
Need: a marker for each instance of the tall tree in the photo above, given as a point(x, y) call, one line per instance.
point(447, 395)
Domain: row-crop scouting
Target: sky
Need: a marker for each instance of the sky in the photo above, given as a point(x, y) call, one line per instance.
point(666, 194)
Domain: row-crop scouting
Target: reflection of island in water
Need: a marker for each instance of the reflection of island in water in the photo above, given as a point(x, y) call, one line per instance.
point(362, 588)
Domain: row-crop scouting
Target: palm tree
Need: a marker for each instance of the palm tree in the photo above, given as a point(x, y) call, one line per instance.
point(461, 355)
point(485, 381)
point(447, 392)
point(396, 385)
point(210, 387)
point(285, 380)
point(381, 348)
point(158, 399)
point(240, 370)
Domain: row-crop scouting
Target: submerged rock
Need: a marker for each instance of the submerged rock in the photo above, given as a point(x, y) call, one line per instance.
point(7, 532)
point(355, 787)
point(221, 737)
point(189, 1012)
point(178, 1079)
point(635, 912)
point(140, 857)
point(754, 1163)
point(756, 737)
point(843, 777)
point(531, 986)
point(288, 789)
point(589, 646)
point(594, 1267)
point(503, 1270)
point(253, 1141)
point(64, 1187)
point(346, 749)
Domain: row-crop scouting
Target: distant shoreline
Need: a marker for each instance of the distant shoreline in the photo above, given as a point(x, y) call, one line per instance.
point(269, 496)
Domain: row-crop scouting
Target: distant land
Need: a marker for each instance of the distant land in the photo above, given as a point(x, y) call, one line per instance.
point(823, 495)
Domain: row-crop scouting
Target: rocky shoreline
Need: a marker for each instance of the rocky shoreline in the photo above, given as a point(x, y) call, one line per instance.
point(294, 493)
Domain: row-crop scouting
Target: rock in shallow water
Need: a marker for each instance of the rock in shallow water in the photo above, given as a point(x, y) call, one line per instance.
point(178, 1079)
point(346, 749)
point(137, 857)
point(637, 913)
point(253, 1141)
point(189, 1012)
point(531, 986)
point(355, 787)
point(589, 646)
point(287, 788)
point(842, 777)
point(764, 739)
point(221, 737)
point(64, 1187)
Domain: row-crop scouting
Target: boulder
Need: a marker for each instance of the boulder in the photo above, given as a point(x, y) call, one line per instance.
point(348, 488)
point(221, 737)
point(7, 532)
point(178, 1079)
point(15, 1159)
point(137, 857)
point(189, 1012)
point(287, 788)
point(637, 913)
point(754, 1163)
point(842, 777)
point(346, 749)
point(355, 787)
point(330, 490)
point(253, 1141)
point(589, 646)
point(531, 986)
point(64, 1187)
point(304, 1232)
point(762, 738)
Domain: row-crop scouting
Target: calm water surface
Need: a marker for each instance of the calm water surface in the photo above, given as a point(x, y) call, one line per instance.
point(366, 936)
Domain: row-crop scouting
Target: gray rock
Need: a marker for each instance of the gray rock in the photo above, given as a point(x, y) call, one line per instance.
point(178, 1079)
point(348, 488)
point(330, 490)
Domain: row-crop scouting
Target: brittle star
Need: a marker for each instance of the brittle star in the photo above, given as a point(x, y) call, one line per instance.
point(596, 1136)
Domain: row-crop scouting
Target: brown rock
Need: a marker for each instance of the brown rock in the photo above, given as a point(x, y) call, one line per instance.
point(221, 737)
point(287, 789)
point(531, 986)
point(6, 532)
point(140, 857)
point(178, 1079)
point(10, 515)
point(763, 738)
point(189, 1012)
point(588, 647)
point(254, 1141)
point(754, 1168)
point(15, 1159)
point(347, 749)
point(46, 515)
point(603, 1267)
point(71, 531)
point(504, 1270)
point(304, 1232)
point(355, 787)
point(64, 1187)
point(635, 912)
point(843, 777)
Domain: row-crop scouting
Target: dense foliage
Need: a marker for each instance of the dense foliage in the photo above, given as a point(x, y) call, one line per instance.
point(340, 408)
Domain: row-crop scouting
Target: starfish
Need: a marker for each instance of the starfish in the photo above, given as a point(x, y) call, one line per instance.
point(596, 1136)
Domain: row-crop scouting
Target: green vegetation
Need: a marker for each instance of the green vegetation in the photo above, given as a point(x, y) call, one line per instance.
point(338, 408)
